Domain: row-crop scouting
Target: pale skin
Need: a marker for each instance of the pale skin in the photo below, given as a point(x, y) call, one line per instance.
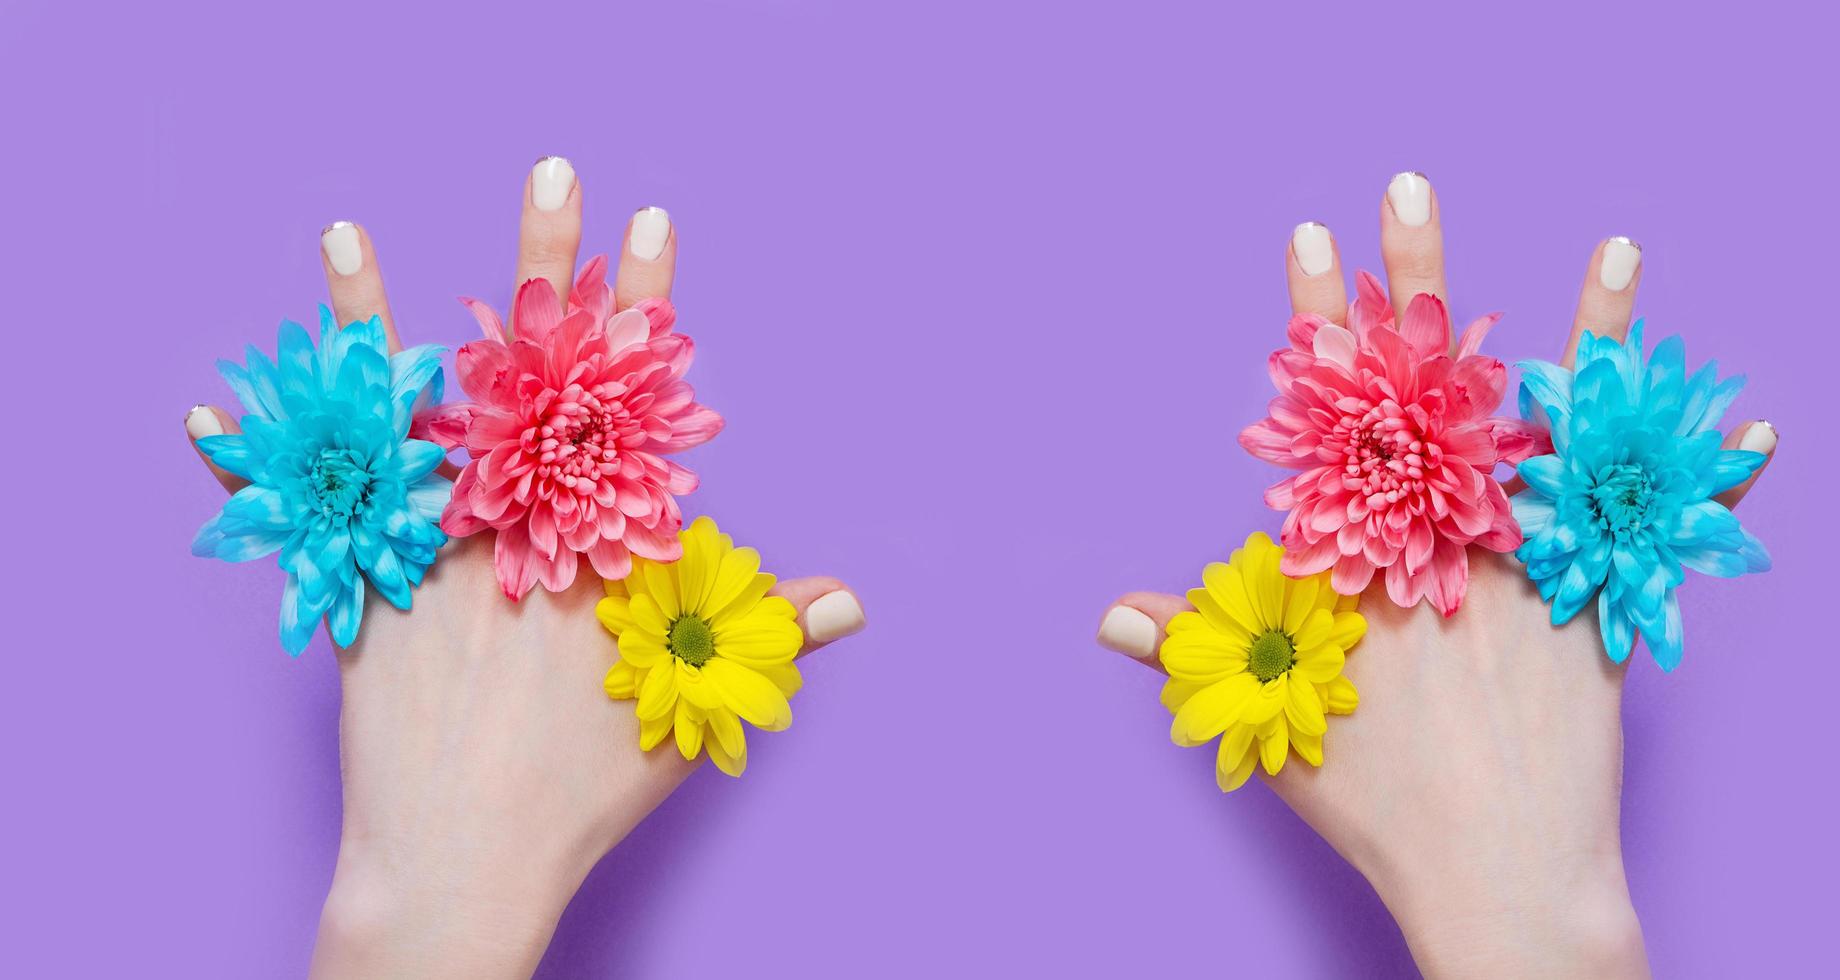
point(1478, 784)
point(485, 770)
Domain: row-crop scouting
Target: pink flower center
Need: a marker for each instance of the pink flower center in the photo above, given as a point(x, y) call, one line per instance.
point(578, 444)
point(1385, 455)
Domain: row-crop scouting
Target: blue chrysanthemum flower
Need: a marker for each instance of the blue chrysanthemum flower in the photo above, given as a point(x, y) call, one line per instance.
point(1624, 502)
point(336, 484)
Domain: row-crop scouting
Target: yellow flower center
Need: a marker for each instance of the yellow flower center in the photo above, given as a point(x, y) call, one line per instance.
point(692, 641)
point(1270, 656)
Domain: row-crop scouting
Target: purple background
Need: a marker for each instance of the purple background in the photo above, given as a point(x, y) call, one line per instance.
point(984, 290)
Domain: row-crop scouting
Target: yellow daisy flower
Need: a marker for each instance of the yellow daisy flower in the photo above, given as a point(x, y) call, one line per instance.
point(1259, 661)
point(703, 647)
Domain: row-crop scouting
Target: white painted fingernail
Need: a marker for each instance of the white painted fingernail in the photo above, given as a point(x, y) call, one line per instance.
point(651, 229)
point(343, 251)
point(1622, 258)
point(551, 180)
point(832, 616)
point(201, 422)
point(1410, 195)
point(1314, 249)
point(1759, 438)
point(1129, 632)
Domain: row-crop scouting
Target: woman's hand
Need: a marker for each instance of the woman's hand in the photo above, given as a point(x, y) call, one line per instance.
point(1478, 784)
point(485, 769)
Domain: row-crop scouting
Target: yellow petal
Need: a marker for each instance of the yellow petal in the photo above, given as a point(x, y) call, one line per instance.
point(732, 762)
point(1299, 602)
point(653, 730)
point(657, 694)
point(1303, 707)
point(1272, 747)
point(1202, 655)
point(1347, 603)
point(696, 570)
point(622, 681)
point(1177, 691)
point(760, 643)
point(1314, 631)
point(1226, 587)
point(1348, 629)
point(1308, 746)
point(750, 695)
point(1266, 703)
point(1319, 664)
point(693, 686)
point(661, 586)
point(1265, 585)
point(733, 577)
point(1212, 709)
point(1235, 745)
point(1230, 781)
point(615, 587)
point(786, 677)
point(689, 728)
point(747, 602)
point(647, 615)
point(643, 649)
point(1187, 620)
point(614, 614)
point(725, 732)
point(1343, 698)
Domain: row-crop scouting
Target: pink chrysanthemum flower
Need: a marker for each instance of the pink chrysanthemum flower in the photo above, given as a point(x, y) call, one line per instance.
point(568, 433)
point(1396, 449)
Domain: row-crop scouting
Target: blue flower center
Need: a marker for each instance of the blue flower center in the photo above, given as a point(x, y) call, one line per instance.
point(1623, 499)
point(341, 482)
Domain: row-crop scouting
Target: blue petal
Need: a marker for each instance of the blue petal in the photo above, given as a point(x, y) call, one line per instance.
point(417, 458)
point(1544, 473)
point(1615, 627)
point(1664, 638)
point(346, 613)
point(1703, 519)
point(429, 497)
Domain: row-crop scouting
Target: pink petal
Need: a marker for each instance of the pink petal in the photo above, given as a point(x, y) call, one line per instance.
point(1352, 573)
point(1302, 329)
point(558, 573)
point(1370, 309)
point(1333, 343)
point(659, 313)
point(489, 323)
point(629, 328)
point(610, 559)
point(693, 428)
point(538, 311)
point(1471, 341)
point(512, 559)
point(1426, 326)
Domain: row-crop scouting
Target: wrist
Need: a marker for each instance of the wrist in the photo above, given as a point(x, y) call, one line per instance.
point(389, 914)
point(1580, 924)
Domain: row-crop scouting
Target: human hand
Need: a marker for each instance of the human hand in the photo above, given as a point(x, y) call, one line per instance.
point(1478, 785)
point(485, 769)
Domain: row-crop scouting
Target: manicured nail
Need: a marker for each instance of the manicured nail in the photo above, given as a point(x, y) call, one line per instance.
point(1314, 249)
point(651, 229)
point(550, 182)
point(1622, 258)
point(1129, 632)
point(343, 252)
point(201, 422)
point(1410, 195)
point(1759, 438)
point(832, 616)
